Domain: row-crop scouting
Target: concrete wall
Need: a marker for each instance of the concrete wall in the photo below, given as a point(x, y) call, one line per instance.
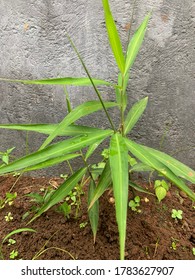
point(33, 46)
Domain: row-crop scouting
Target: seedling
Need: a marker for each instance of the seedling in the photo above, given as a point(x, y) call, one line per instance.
point(174, 243)
point(13, 254)
point(177, 214)
point(11, 241)
point(9, 199)
point(134, 204)
point(5, 156)
point(161, 188)
point(83, 225)
point(193, 251)
point(9, 217)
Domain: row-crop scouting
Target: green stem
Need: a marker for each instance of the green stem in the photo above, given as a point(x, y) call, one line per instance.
point(94, 86)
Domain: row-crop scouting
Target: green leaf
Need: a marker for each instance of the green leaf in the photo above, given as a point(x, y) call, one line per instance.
point(138, 188)
point(160, 193)
point(113, 36)
point(119, 173)
point(180, 169)
point(61, 81)
point(94, 210)
point(122, 86)
point(17, 231)
point(92, 148)
point(134, 114)
point(78, 112)
point(143, 155)
point(61, 192)
point(104, 182)
point(52, 162)
point(141, 167)
point(71, 130)
point(55, 150)
point(135, 44)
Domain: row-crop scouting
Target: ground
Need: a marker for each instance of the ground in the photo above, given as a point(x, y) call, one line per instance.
point(151, 234)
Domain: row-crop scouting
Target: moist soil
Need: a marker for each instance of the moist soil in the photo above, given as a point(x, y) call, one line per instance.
point(151, 234)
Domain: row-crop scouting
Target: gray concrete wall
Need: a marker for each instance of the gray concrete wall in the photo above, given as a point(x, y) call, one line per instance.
point(33, 46)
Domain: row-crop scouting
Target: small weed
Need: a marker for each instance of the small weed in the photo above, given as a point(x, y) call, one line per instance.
point(11, 241)
point(5, 156)
point(174, 243)
point(9, 199)
point(9, 217)
point(134, 203)
point(193, 251)
point(161, 188)
point(13, 254)
point(177, 214)
point(83, 225)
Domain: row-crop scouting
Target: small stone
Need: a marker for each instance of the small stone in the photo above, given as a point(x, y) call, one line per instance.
point(183, 194)
point(111, 200)
point(126, 254)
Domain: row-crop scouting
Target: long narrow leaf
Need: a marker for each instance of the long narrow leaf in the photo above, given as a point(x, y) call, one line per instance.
point(80, 111)
point(119, 173)
point(143, 155)
point(104, 182)
point(61, 81)
point(61, 192)
point(71, 130)
point(17, 231)
point(94, 210)
point(92, 148)
point(180, 169)
point(139, 188)
point(113, 36)
point(134, 114)
point(55, 150)
point(135, 44)
point(52, 162)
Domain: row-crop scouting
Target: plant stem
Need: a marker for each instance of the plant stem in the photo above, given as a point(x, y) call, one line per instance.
point(94, 86)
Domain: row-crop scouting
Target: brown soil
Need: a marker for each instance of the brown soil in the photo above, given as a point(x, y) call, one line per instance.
point(149, 234)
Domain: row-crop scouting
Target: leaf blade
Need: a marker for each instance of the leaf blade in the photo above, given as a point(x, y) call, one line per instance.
point(135, 44)
point(54, 150)
point(176, 166)
point(113, 36)
point(61, 81)
point(119, 173)
point(93, 212)
point(61, 192)
point(104, 182)
point(134, 114)
point(147, 158)
point(78, 112)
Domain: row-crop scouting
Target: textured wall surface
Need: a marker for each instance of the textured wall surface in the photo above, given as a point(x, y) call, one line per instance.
point(33, 46)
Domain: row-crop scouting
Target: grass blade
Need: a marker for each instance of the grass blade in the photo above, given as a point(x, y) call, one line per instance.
point(139, 188)
point(143, 155)
point(180, 169)
point(94, 210)
point(17, 231)
point(71, 130)
point(61, 192)
point(55, 150)
point(113, 36)
point(134, 114)
point(61, 81)
point(119, 173)
point(104, 182)
point(78, 112)
point(135, 44)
